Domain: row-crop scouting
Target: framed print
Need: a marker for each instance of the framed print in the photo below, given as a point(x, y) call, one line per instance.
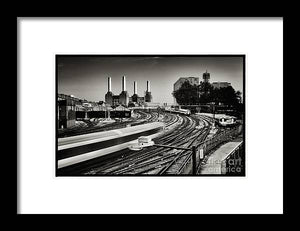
point(126, 115)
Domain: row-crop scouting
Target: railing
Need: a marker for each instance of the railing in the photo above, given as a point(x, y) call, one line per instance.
point(234, 162)
point(205, 147)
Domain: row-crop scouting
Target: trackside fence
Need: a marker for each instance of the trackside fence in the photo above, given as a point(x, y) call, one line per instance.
point(205, 147)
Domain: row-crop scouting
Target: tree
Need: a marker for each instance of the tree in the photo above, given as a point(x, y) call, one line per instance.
point(205, 93)
point(187, 94)
point(227, 96)
point(205, 88)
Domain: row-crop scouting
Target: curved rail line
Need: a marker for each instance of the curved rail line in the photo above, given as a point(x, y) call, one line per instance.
point(93, 126)
point(158, 160)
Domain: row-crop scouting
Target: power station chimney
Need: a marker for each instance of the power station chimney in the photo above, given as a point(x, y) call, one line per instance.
point(148, 96)
point(135, 87)
point(124, 83)
point(148, 86)
point(124, 97)
point(109, 84)
point(109, 95)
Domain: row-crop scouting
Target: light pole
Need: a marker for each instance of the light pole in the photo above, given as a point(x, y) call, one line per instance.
point(149, 143)
point(194, 153)
point(213, 110)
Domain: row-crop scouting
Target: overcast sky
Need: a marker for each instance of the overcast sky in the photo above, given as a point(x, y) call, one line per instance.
point(86, 76)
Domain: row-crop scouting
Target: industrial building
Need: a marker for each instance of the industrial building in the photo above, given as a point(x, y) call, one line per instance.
point(70, 108)
point(221, 84)
point(148, 96)
point(123, 98)
point(135, 98)
point(66, 106)
point(181, 80)
point(195, 81)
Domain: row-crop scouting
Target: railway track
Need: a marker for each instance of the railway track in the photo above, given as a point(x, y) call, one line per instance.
point(177, 165)
point(84, 167)
point(166, 163)
point(170, 120)
point(92, 126)
point(158, 160)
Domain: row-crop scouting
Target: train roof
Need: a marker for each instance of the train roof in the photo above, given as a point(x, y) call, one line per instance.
point(223, 116)
point(182, 109)
point(106, 135)
point(217, 116)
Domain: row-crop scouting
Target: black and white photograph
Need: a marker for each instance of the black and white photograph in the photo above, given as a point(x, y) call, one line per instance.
point(150, 115)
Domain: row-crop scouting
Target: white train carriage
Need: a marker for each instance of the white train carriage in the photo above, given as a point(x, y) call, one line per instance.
point(184, 111)
point(76, 149)
point(178, 111)
point(226, 121)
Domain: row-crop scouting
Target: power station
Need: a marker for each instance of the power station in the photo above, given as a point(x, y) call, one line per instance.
point(123, 98)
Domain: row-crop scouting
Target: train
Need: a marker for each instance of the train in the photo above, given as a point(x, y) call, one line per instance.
point(221, 120)
point(225, 120)
point(76, 149)
point(178, 111)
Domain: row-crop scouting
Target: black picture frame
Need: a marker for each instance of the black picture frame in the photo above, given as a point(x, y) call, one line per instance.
point(14, 135)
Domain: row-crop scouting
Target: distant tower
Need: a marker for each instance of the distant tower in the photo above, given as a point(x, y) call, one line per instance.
point(134, 98)
point(109, 84)
point(124, 97)
point(135, 87)
point(148, 96)
point(124, 83)
point(148, 86)
point(109, 94)
point(206, 77)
